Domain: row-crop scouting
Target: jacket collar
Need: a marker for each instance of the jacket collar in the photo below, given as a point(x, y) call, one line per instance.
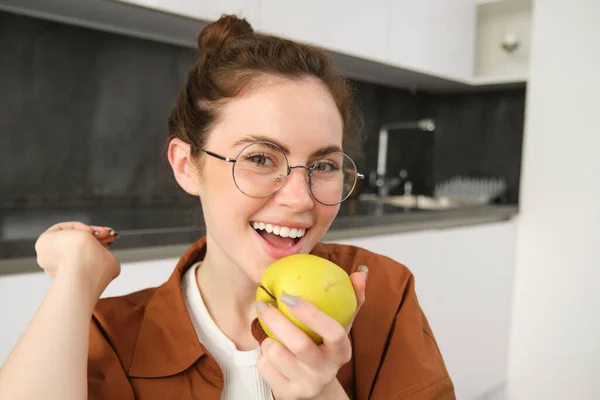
point(167, 342)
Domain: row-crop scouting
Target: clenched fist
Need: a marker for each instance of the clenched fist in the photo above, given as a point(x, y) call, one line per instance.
point(79, 251)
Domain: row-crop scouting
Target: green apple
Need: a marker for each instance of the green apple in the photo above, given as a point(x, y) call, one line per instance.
point(311, 278)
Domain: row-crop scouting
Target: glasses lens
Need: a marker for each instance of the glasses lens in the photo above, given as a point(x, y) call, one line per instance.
point(260, 169)
point(333, 178)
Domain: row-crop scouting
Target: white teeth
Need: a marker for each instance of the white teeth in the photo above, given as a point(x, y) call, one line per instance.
point(282, 231)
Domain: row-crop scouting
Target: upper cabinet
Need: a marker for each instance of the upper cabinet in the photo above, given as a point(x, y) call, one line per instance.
point(433, 36)
point(503, 41)
point(205, 10)
point(352, 27)
point(436, 45)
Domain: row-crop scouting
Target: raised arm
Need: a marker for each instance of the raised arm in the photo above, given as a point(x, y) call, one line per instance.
point(50, 359)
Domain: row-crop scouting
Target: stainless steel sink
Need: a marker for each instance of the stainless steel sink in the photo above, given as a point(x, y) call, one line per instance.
point(420, 202)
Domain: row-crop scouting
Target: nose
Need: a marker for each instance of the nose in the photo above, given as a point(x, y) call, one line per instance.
point(295, 192)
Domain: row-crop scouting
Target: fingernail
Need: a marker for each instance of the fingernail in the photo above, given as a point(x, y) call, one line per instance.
point(289, 300)
point(96, 233)
point(117, 235)
point(365, 269)
point(261, 307)
point(111, 231)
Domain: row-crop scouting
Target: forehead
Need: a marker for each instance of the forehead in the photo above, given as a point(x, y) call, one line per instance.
point(301, 114)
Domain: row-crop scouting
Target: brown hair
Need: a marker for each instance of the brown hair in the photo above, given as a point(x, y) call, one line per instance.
point(231, 59)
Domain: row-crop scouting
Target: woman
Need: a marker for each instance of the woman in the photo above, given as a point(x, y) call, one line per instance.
point(257, 134)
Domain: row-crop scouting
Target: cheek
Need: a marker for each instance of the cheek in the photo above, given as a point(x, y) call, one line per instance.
point(223, 201)
point(327, 214)
point(216, 185)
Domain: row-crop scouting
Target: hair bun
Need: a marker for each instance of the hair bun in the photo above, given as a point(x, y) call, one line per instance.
point(222, 31)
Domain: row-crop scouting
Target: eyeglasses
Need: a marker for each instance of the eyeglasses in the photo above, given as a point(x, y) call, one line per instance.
point(261, 168)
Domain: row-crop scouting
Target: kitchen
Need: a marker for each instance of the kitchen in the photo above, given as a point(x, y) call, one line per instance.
point(451, 202)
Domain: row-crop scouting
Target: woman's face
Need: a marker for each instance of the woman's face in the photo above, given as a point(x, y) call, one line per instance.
point(299, 116)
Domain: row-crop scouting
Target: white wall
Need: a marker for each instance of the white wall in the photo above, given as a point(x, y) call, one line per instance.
point(555, 339)
point(21, 295)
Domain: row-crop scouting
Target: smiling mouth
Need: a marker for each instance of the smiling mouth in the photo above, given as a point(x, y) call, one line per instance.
point(281, 237)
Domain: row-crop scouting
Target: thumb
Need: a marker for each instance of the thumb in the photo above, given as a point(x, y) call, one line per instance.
point(359, 282)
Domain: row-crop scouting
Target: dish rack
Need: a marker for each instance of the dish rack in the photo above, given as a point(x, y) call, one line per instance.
point(476, 190)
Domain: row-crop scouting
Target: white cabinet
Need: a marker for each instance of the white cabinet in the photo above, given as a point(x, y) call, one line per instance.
point(433, 36)
point(464, 279)
point(503, 41)
point(205, 10)
point(351, 27)
point(426, 44)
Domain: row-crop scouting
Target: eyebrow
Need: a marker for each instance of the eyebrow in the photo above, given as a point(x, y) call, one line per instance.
point(260, 138)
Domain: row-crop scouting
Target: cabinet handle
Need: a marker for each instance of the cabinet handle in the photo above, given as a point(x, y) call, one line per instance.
point(510, 43)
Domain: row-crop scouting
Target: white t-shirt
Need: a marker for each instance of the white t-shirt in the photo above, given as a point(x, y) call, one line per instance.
point(242, 380)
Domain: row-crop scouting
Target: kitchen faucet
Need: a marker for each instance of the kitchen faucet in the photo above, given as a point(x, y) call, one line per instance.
point(384, 183)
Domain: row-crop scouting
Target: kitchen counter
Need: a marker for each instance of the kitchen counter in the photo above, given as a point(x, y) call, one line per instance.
point(166, 232)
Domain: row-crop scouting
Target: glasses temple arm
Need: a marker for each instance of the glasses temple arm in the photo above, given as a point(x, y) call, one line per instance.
point(220, 157)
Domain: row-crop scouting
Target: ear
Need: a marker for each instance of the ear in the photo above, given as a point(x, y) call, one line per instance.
point(185, 171)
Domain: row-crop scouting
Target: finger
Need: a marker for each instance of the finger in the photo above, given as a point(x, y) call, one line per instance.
point(359, 282)
point(105, 233)
point(282, 359)
point(333, 333)
point(107, 236)
point(292, 337)
point(278, 383)
point(71, 225)
point(98, 231)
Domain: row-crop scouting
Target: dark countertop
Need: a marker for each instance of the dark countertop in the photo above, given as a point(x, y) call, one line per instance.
point(164, 232)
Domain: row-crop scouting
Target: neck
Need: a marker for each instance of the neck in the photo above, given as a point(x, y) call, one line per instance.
point(229, 295)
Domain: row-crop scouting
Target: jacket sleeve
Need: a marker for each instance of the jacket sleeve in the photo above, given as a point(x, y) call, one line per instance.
point(412, 366)
point(106, 376)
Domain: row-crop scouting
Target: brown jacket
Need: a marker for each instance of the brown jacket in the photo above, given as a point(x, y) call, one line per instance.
point(143, 345)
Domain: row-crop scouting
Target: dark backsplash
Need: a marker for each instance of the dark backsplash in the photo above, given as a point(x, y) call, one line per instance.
point(409, 150)
point(84, 114)
point(83, 120)
point(476, 135)
point(480, 135)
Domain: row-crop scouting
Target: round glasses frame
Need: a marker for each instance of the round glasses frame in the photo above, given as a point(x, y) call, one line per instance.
point(289, 170)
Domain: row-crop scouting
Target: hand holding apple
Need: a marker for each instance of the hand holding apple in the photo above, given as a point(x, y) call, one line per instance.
point(313, 279)
point(316, 302)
